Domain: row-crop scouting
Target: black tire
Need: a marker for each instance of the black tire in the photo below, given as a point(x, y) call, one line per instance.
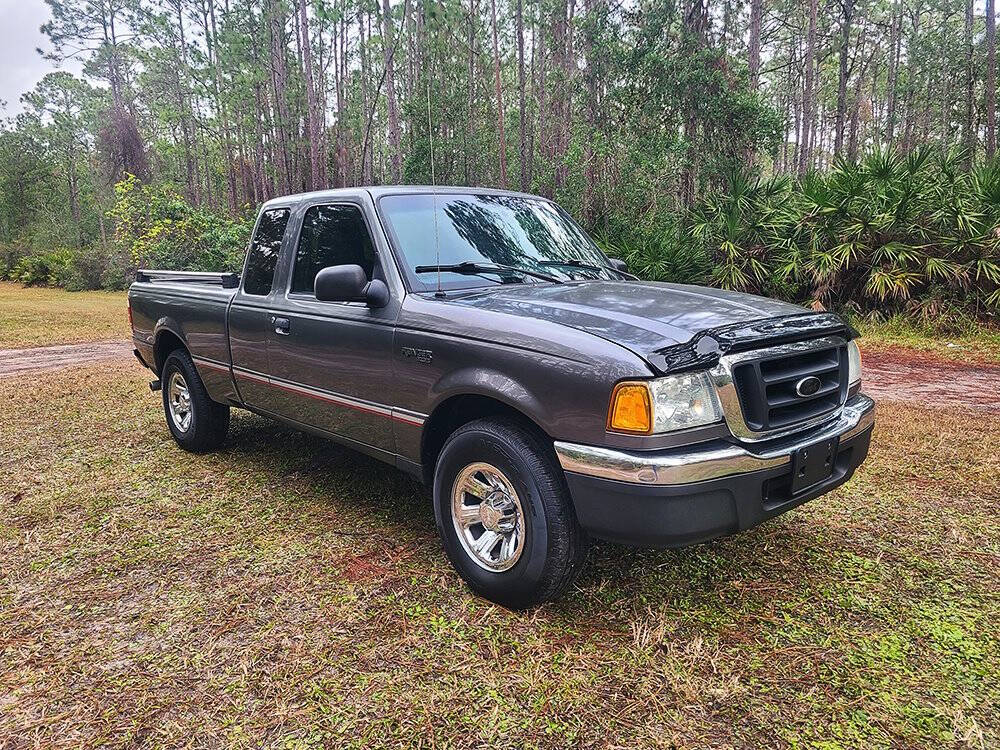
point(554, 546)
point(209, 421)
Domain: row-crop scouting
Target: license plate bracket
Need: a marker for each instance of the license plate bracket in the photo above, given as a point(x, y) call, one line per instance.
point(813, 463)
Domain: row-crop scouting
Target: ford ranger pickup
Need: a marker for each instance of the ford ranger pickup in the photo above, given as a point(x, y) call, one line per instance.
point(480, 340)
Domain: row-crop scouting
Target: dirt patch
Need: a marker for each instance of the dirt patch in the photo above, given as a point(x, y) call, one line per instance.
point(18, 361)
point(922, 379)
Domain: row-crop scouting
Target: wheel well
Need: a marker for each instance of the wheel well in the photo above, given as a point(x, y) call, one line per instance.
point(166, 342)
point(455, 412)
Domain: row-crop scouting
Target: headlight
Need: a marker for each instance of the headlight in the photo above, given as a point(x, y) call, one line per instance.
point(676, 402)
point(853, 363)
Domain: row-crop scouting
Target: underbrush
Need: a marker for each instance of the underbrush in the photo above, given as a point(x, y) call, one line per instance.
point(953, 334)
point(154, 227)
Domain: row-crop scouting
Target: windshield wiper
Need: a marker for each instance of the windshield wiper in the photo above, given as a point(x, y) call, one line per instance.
point(472, 268)
point(577, 263)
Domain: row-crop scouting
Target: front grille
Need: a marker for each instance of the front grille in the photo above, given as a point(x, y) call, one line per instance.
point(767, 387)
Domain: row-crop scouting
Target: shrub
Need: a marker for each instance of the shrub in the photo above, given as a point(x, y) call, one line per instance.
point(10, 255)
point(659, 255)
point(85, 268)
point(42, 269)
point(890, 233)
point(156, 227)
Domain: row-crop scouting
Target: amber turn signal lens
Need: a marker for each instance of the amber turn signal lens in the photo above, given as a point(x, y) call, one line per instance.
point(630, 409)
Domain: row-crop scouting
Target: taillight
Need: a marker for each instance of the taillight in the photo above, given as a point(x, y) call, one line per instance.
point(130, 323)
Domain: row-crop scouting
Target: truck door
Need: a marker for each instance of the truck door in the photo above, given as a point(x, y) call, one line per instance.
point(330, 362)
point(248, 314)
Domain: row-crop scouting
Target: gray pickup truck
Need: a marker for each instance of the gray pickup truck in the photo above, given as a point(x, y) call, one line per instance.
point(480, 340)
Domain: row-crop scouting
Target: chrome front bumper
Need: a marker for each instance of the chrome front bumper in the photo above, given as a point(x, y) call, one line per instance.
point(696, 464)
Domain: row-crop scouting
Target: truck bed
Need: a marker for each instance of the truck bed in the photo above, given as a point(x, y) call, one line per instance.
point(193, 304)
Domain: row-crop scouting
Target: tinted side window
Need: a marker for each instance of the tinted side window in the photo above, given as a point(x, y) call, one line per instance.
point(263, 255)
point(331, 236)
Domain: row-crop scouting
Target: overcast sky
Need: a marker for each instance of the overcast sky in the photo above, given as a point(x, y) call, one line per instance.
point(21, 67)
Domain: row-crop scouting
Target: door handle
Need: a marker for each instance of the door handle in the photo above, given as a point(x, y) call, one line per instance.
point(281, 325)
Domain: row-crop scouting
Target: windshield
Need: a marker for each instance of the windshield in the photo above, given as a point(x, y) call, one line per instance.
point(508, 230)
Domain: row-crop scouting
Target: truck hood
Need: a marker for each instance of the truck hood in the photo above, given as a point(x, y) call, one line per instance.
point(648, 318)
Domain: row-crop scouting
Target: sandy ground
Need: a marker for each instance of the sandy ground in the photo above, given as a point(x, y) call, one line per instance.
point(897, 375)
point(919, 378)
point(18, 361)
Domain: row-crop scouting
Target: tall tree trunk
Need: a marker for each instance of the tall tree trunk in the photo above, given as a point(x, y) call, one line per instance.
point(756, 13)
point(817, 139)
point(561, 92)
point(312, 107)
point(183, 112)
point(569, 74)
point(594, 10)
point(338, 58)
point(853, 136)
point(211, 37)
point(392, 107)
point(968, 137)
point(799, 107)
point(928, 104)
point(366, 146)
point(499, 93)
point(114, 70)
point(911, 83)
point(788, 105)
point(809, 92)
point(540, 131)
point(696, 25)
point(103, 230)
point(521, 95)
point(847, 6)
point(279, 80)
point(892, 78)
point(538, 95)
point(74, 194)
point(991, 78)
point(468, 153)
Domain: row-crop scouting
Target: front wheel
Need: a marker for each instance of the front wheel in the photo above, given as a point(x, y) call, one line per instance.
point(505, 515)
point(197, 423)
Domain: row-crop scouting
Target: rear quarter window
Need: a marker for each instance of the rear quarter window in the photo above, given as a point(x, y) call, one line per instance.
point(262, 257)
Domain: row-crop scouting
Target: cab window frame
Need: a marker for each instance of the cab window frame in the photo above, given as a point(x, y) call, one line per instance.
point(294, 250)
point(276, 271)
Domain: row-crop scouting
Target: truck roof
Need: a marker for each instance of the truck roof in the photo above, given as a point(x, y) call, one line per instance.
point(376, 191)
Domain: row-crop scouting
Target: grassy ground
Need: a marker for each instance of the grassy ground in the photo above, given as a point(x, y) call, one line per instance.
point(39, 317)
point(973, 343)
point(286, 593)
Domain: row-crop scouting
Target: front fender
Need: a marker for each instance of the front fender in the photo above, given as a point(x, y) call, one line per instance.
point(489, 382)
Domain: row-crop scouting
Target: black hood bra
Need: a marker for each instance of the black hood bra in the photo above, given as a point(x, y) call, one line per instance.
point(706, 348)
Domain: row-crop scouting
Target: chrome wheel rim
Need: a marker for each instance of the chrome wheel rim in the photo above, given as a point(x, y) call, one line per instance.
point(488, 517)
point(179, 402)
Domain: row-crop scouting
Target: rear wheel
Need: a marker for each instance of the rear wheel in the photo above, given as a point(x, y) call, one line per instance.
point(197, 423)
point(505, 515)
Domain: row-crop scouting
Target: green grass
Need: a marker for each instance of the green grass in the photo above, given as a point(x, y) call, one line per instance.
point(34, 316)
point(284, 592)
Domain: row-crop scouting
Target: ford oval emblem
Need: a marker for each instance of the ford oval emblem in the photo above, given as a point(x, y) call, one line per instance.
point(808, 386)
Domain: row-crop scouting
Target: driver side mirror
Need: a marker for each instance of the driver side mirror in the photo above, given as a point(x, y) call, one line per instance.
point(618, 264)
point(349, 283)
